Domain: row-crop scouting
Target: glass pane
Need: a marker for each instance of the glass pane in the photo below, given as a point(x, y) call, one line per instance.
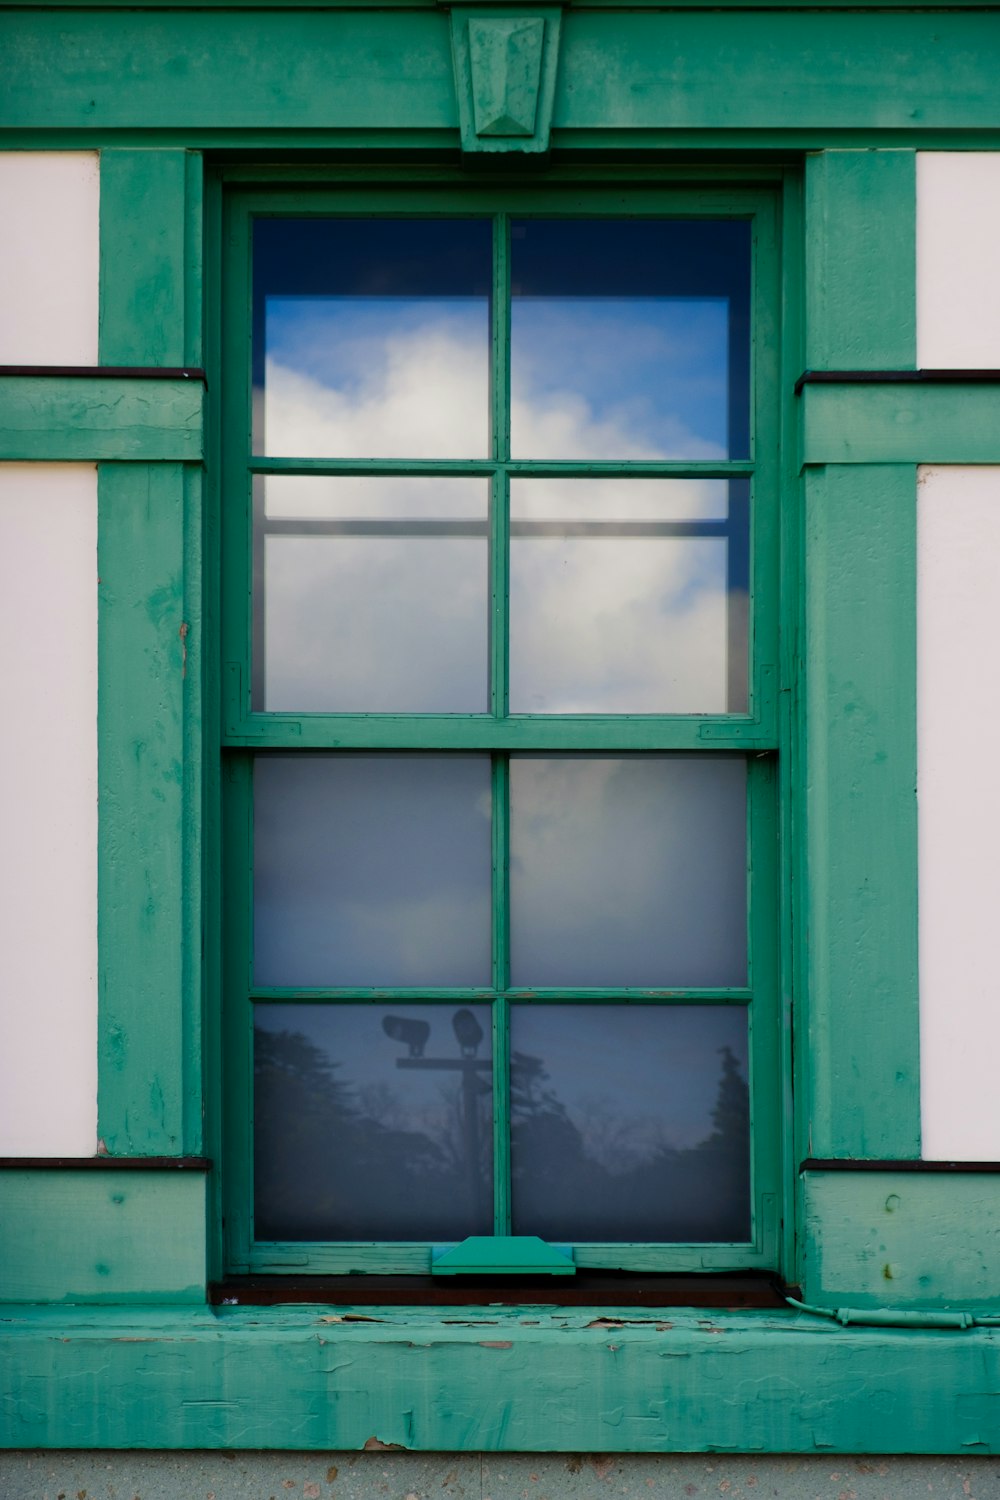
point(372, 870)
point(628, 596)
point(630, 339)
point(628, 872)
point(371, 595)
point(372, 1122)
point(372, 337)
point(630, 1123)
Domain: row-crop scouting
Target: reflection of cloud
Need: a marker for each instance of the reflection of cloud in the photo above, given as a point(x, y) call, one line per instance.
point(372, 870)
point(376, 625)
point(628, 872)
point(614, 625)
point(614, 377)
point(608, 380)
point(420, 393)
point(618, 626)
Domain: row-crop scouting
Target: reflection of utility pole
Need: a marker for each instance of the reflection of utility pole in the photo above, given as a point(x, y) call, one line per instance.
point(469, 1035)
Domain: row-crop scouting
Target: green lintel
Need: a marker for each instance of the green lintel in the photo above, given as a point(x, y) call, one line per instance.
point(368, 70)
point(67, 419)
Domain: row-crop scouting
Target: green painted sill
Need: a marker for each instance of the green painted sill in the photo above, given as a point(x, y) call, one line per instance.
point(531, 1379)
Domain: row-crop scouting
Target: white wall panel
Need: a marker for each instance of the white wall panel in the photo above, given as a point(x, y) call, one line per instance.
point(48, 810)
point(958, 735)
point(958, 286)
point(49, 207)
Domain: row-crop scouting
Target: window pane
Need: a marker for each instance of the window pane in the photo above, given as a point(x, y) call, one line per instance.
point(372, 870)
point(371, 337)
point(628, 871)
point(372, 1122)
point(371, 595)
point(630, 1122)
point(628, 596)
point(630, 339)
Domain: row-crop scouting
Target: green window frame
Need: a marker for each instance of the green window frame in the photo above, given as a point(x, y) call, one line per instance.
point(760, 735)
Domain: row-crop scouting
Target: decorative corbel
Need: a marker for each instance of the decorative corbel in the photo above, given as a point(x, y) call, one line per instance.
point(505, 61)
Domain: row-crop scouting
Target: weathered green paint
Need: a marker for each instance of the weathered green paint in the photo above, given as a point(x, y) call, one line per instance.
point(861, 260)
point(496, 1379)
point(150, 257)
point(505, 73)
point(108, 1237)
point(902, 1240)
point(859, 774)
point(335, 72)
point(61, 419)
point(143, 633)
point(901, 423)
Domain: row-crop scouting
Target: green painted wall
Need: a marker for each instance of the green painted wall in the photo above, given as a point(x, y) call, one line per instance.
point(60, 419)
point(92, 1237)
point(902, 1239)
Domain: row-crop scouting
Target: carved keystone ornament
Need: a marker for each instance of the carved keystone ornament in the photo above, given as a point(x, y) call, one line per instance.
point(505, 75)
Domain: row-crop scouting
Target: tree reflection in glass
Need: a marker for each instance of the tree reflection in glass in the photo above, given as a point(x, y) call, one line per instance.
point(372, 1122)
point(630, 1123)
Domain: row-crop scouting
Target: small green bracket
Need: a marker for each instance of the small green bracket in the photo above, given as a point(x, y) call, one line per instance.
point(503, 1255)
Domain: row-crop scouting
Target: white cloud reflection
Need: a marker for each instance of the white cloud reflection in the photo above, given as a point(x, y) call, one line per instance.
point(389, 623)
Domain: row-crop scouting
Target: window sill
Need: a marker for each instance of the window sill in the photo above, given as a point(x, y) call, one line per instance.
point(492, 1379)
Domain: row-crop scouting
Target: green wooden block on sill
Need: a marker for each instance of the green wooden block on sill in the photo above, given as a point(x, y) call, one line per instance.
point(503, 1255)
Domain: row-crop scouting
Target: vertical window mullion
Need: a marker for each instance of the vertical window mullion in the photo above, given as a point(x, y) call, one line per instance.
point(500, 491)
point(501, 1016)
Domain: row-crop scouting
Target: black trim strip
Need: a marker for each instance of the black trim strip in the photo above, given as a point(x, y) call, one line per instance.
point(597, 1289)
point(849, 1164)
point(896, 377)
point(111, 372)
point(105, 1163)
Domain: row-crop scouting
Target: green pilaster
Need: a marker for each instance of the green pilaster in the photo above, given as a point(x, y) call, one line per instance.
point(861, 812)
point(149, 546)
point(861, 260)
point(150, 257)
point(142, 646)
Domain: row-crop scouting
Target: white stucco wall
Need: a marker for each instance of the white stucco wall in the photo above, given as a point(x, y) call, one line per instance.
point(958, 734)
point(958, 521)
point(49, 204)
point(49, 207)
point(958, 232)
point(48, 810)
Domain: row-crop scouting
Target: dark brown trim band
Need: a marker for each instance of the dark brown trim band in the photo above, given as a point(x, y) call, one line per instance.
point(754, 1289)
point(105, 1164)
point(109, 372)
point(847, 1164)
point(897, 377)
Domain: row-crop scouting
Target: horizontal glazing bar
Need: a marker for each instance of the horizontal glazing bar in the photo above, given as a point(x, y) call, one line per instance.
point(536, 468)
point(272, 995)
point(474, 732)
point(308, 527)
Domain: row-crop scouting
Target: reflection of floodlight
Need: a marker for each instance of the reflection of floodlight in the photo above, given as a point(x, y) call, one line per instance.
point(413, 1033)
point(468, 1032)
